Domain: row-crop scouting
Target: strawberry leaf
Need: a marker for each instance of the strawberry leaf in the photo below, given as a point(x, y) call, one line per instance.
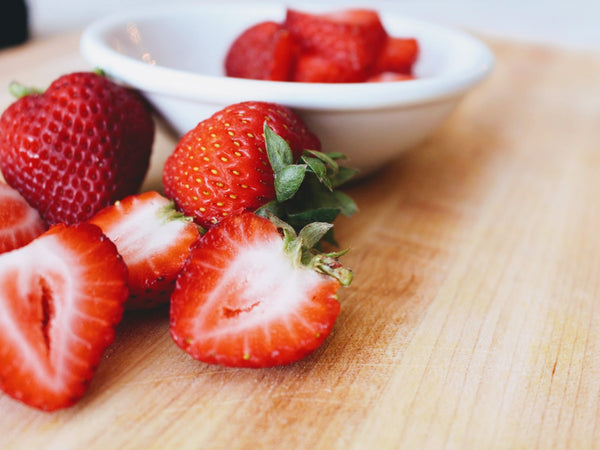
point(325, 158)
point(278, 150)
point(302, 218)
point(306, 191)
point(319, 169)
point(311, 234)
point(273, 208)
point(288, 181)
point(343, 175)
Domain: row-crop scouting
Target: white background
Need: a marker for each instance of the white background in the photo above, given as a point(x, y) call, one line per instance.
point(566, 23)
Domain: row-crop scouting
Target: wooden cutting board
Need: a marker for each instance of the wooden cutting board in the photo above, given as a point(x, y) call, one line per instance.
point(473, 321)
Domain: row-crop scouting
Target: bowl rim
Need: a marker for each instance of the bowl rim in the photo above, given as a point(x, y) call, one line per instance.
point(163, 80)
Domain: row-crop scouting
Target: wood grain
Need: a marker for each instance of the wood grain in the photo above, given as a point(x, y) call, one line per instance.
point(473, 321)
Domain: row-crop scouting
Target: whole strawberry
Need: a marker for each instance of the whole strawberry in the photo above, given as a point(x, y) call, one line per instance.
point(79, 146)
point(221, 166)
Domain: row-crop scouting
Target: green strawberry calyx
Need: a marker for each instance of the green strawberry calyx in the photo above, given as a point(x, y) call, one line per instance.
point(307, 189)
point(300, 247)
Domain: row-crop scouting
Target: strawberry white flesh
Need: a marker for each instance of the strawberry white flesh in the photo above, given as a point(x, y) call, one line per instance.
point(241, 301)
point(19, 222)
point(154, 240)
point(61, 296)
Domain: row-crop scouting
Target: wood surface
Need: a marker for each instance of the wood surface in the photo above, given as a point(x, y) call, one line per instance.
point(473, 321)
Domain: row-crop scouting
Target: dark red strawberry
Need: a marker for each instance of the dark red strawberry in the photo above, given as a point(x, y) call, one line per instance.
point(352, 38)
point(221, 166)
point(19, 222)
point(248, 297)
point(61, 297)
point(311, 68)
point(81, 145)
point(398, 55)
point(154, 240)
point(265, 51)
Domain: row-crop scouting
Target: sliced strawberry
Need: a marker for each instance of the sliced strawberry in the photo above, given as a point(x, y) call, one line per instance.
point(19, 222)
point(352, 38)
point(312, 68)
point(61, 296)
point(398, 55)
point(246, 299)
point(154, 240)
point(265, 51)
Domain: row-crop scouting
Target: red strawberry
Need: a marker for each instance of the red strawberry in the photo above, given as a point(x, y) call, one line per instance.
point(246, 299)
point(81, 145)
point(351, 38)
point(265, 51)
point(19, 222)
point(154, 240)
point(398, 55)
point(312, 68)
point(221, 166)
point(61, 297)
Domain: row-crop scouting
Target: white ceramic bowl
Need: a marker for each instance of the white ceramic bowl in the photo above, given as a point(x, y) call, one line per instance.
point(174, 55)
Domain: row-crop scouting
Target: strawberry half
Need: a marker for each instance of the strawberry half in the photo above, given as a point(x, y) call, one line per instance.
point(249, 298)
point(61, 297)
point(265, 51)
point(79, 146)
point(154, 240)
point(19, 222)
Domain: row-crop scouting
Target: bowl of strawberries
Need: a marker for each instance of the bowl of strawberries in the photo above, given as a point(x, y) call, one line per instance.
point(369, 83)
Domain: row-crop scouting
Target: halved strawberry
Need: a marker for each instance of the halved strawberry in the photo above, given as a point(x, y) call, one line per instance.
point(265, 51)
point(19, 222)
point(61, 297)
point(352, 38)
point(154, 240)
point(248, 297)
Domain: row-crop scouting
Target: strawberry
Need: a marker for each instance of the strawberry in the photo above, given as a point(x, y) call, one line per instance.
point(61, 297)
point(265, 51)
point(351, 38)
point(248, 298)
point(311, 68)
point(79, 146)
point(19, 222)
point(221, 167)
point(398, 55)
point(154, 240)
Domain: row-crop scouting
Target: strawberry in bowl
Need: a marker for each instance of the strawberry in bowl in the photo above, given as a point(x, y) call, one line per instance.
point(371, 122)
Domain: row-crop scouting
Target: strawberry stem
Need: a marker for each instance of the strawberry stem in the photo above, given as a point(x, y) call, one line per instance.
point(18, 90)
point(300, 248)
point(306, 190)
